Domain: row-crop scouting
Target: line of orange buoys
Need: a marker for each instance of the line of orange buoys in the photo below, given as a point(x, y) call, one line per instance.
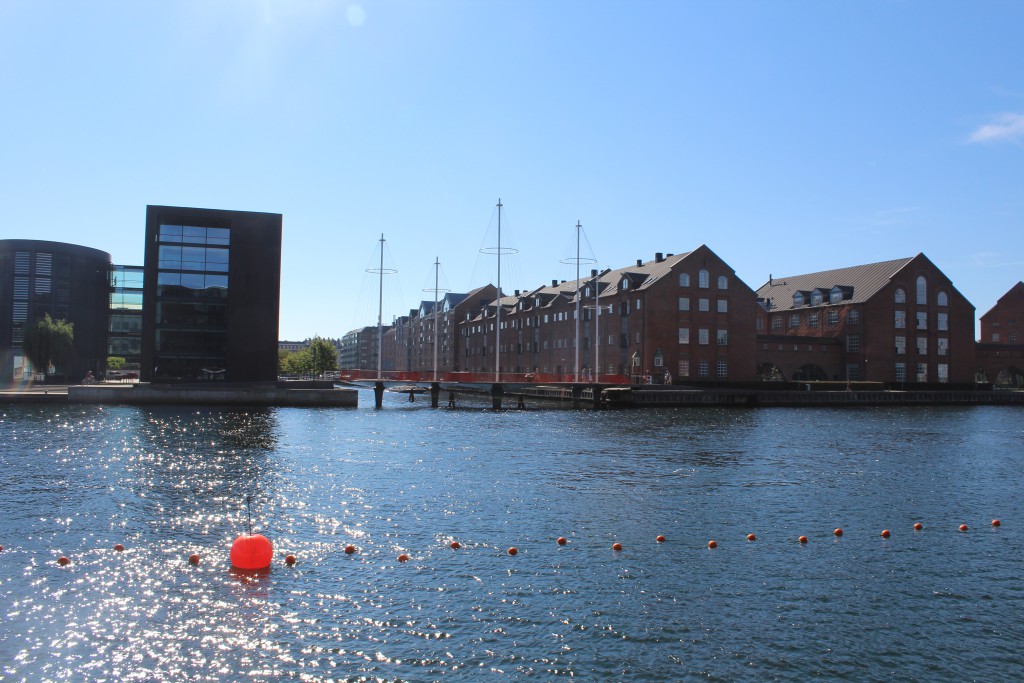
point(257, 550)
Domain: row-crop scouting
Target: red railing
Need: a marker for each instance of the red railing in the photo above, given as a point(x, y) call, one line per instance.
point(481, 377)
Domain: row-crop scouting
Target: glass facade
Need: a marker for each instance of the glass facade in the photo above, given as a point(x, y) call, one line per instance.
point(191, 302)
point(125, 328)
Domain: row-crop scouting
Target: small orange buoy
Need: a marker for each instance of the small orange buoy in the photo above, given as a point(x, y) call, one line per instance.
point(995, 522)
point(118, 547)
point(251, 551)
point(802, 539)
point(838, 532)
point(660, 539)
point(349, 549)
point(918, 526)
point(751, 537)
point(885, 533)
point(512, 551)
point(561, 540)
point(193, 558)
point(1, 548)
point(403, 558)
point(712, 544)
point(63, 561)
point(963, 527)
point(289, 560)
point(454, 545)
point(616, 547)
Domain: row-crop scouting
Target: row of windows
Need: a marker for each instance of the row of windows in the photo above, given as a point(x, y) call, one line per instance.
point(192, 234)
point(941, 299)
point(921, 372)
point(704, 336)
point(704, 368)
point(1011, 338)
point(941, 345)
point(921, 319)
point(193, 258)
point(817, 297)
point(721, 305)
point(703, 280)
point(813, 319)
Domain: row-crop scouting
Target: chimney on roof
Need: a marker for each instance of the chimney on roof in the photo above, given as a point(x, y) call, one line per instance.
point(517, 292)
point(639, 262)
point(658, 257)
point(593, 272)
point(669, 255)
point(554, 283)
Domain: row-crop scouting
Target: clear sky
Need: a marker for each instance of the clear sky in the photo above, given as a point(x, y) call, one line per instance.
point(789, 137)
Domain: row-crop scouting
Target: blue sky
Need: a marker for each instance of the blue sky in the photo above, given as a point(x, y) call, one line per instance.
point(789, 137)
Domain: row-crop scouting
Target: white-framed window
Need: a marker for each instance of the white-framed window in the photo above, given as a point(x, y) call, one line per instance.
point(684, 303)
point(703, 279)
point(835, 295)
point(942, 373)
point(659, 360)
point(624, 284)
point(900, 296)
point(703, 305)
point(812, 320)
point(922, 372)
point(684, 335)
point(1012, 338)
point(832, 317)
point(942, 299)
point(777, 322)
point(853, 317)
point(794, 320)
point(722, 368)
point(702, 336)
point(684, 368)
point(942, 321)
point(852, 343)
point(723, 305)
point(922, 320)
point(722, 337)
point(853, 372)
point(901, 345)
point(942, 346)
point(723, 282)
point(922, 290)
point(703, 368)
point(901, 372)
point(684, 279)
point(995, 337)
point(922, 346)
point(901, 320)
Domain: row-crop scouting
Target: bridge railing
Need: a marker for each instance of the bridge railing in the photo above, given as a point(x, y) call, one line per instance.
point(480, 377)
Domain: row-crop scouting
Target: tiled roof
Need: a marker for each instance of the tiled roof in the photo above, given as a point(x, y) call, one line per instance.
point(865, 282)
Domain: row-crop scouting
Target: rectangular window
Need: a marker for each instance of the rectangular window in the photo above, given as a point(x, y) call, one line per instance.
point(722, 369)
point(703, 368)
point(684, 279)
point(901, 320)
point(812, 319)
point(21, 262)
point(794, 320)
point(853, 372)
point(702, 336)
point(942, 321)
point(852, 343)
point(659, 360)
point(684, 368)
point(760, 324)
point(901, 345)
point(722, 337)
point(684, 335)
point(922, 320)
point(833, 317)
point(1013, 338)
point(703, 279)
point(703, 305)
point(922, 345)
point(723, 305)
point(723, 282)
point(995, 337)
point(853, 317)
point(777, 322)
point(901, 372)
point(684, 303)
point(942, 346)
point(922, 372)
point(942, 372)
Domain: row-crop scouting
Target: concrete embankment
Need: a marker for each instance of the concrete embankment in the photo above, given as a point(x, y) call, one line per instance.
point(308, 394)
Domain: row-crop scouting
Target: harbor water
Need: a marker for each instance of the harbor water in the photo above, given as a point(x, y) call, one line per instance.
point(937, 604)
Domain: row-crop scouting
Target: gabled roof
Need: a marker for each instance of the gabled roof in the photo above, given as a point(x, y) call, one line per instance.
point(865, 282)
point(1007, 299)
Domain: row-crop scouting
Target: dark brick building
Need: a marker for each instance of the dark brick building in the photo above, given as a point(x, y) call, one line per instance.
point(1000, 353)
point(899, 321)
point(211, 294)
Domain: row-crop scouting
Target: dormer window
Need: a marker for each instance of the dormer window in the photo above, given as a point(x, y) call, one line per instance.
point(798, 300)
point(817, 297)
point(625, 283)
point(835, 295)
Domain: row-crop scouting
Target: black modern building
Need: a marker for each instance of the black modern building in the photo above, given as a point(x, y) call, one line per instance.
point(212, 283)
point(68, 281)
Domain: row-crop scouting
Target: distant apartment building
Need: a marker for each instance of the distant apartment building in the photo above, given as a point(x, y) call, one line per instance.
point(125, 332)
point(679, 317)
point(292, 346)
point(899, 321)
point(359, 349)
point(212, 291)
point(1000, 353)
point(68, 282)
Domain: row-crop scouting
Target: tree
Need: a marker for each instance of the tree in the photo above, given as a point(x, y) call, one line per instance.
point(49, 342)
point(115, 363)
point(284, 360)
point(322, 356)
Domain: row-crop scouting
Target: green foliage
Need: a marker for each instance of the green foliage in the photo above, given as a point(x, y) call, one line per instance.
point(49, 342)
point(317, 358)
point(115, 363)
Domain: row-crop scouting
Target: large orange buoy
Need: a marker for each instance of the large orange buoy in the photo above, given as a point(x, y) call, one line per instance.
point(616, 546)
point(660, 539)
point(751, 537)
point(918, 526)
point(561, 540)
point(712, 544)
point(838, 532)
point(513, 551)
point(63, 561)
point(118, 547)
point(251, 551)
point(454, 545)
point(349, 549)
point(963, 527)
point(995, 522)
point(885, 533)
point(193, 558)
point(802, 539)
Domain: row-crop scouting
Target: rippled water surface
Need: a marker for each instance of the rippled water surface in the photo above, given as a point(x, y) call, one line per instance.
point(933, 605)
